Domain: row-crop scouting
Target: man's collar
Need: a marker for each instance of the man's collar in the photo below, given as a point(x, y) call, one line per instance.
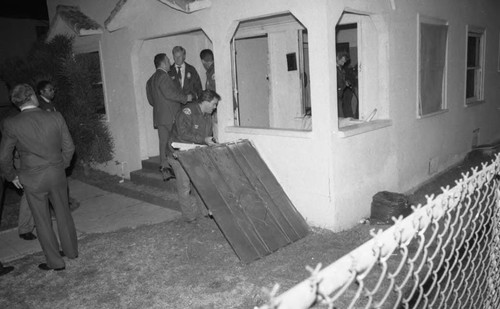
point(45, 99)
point(28, 107)
point(164, 70)
point(180, 66)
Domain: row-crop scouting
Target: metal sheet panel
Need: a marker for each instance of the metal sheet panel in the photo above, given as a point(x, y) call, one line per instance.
point(247, 202)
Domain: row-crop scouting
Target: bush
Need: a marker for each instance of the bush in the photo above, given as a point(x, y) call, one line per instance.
point(79, 96)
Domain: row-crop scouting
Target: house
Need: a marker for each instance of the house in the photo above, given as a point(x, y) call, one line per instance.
point(426, 86)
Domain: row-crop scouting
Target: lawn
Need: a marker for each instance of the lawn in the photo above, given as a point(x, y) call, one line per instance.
point(168, 265)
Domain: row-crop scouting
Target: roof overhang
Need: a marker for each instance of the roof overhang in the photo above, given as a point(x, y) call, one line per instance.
point(69, 20)
point(188, 6)
point(125, 11)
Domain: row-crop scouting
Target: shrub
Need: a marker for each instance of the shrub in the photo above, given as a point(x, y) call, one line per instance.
point(78, 97)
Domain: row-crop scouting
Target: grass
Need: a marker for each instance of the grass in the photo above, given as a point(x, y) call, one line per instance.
point(168, 265)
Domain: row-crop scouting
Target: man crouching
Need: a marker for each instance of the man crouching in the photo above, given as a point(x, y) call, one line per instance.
point(193, 124)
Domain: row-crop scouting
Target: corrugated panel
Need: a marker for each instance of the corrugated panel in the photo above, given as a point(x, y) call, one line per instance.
point(247, 202)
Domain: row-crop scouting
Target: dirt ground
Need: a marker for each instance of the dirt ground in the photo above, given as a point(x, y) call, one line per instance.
point(177, 265)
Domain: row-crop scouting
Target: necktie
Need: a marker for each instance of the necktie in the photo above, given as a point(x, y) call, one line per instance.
point(179, 74)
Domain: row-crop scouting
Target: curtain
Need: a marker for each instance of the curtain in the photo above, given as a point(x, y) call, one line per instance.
point(433, 40)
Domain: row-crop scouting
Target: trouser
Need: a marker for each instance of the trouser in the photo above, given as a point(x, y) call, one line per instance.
point(26, 223)
point(2, 189)
point(191, 205)
point(51, 184)
point(164, 132)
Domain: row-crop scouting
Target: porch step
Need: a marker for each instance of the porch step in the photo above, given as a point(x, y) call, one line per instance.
point(150, 194)
point(151, 164)
point(149, 181)
point(152, 178)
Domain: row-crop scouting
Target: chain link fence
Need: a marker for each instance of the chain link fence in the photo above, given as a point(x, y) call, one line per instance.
point(446, 254)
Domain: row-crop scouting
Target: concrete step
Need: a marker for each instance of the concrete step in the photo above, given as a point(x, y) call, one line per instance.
point(153, 195)
point(152, 178)
point(151, 164)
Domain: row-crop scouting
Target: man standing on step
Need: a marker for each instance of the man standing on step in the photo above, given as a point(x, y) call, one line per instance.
point(166, 98)
point(185, 75)
point(45, 148)
point(192, 125)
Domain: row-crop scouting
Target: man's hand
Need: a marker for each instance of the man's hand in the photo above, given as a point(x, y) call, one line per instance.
point(189, 97)
point(17, 183)
point(210, 141)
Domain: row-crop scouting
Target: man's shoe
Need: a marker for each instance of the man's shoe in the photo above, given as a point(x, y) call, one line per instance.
point(167, 173)
point(27, 236)
point(6, 270)
point(44, 266)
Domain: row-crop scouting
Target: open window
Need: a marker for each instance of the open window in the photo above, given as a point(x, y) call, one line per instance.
point(271, 73)
point(432, 65)
point(474, 85)
point(360, 74)
point(92, 62)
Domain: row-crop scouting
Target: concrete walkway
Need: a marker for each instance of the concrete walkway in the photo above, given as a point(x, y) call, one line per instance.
point(99, 212)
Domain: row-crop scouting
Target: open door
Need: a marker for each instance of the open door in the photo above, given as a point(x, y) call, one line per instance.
point(252, 65)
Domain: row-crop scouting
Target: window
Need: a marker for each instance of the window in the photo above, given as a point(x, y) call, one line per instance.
point(271, 73)
point(474, 85)
point(92, 62)
point(433, 39)
point(347, 70)
point(362, 79)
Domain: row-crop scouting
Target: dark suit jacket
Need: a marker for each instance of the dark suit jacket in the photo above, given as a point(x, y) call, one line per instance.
point(165, 97)
point(42, 140)
point(46, 106)
point(192, 81)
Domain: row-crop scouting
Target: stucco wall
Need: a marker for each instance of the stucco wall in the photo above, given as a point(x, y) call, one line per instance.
point(446, 137)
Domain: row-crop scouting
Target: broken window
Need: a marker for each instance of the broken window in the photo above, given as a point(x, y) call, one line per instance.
point(271, 73)
point(361, 77)
point(474, 86)
point(433, 38)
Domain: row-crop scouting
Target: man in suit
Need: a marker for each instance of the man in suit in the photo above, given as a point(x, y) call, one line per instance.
point(207, 59)
point(45, 148)
point(166, 98)
point(7, 269)
point(186, 76)
point(46, 93)
point(26, 224)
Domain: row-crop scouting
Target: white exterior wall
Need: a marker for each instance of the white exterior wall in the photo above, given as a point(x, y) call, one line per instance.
point(330, 178)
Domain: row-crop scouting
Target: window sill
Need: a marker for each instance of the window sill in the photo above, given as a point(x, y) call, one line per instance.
point(269, 131)
point(432, 114)
point(474, 103)
point(360, 128)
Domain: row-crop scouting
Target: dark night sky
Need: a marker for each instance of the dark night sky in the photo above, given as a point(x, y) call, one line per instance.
point(32, 9)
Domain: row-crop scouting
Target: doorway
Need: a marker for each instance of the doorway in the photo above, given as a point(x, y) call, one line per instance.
point(252, 65)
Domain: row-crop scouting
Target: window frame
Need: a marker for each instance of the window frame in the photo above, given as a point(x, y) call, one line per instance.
point(478, 97)
point(422, 19)
point(267, 28)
